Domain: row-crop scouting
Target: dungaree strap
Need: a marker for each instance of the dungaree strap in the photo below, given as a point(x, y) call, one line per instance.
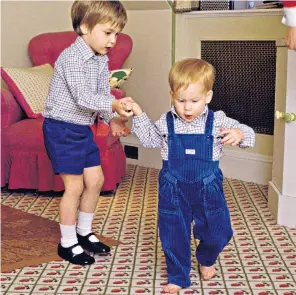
point(170, 123)
point(209, 123)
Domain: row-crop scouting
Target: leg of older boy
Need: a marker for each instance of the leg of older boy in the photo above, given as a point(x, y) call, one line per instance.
point(70, 201)
point(93, 180)
point(68, 247)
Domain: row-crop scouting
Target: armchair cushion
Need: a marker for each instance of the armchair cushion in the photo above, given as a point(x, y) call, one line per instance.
point(29, 86)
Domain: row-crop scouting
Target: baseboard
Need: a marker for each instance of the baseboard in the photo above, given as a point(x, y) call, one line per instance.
point(244, 166)
point(281, 207)
point(146, 157)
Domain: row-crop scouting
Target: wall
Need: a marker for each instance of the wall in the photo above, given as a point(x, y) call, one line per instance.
point(151, 58)
point(22, 20)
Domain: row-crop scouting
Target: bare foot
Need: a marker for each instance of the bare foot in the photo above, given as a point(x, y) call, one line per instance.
point(207, 272)
point(171, 288)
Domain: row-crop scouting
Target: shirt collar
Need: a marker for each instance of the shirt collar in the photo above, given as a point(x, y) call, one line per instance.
point(203, 113)
point(86, 51)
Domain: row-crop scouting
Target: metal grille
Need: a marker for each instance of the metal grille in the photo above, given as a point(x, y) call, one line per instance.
point(245, 80)
point(216, 5)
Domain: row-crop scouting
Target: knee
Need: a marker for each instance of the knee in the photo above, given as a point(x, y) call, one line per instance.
point(75, 189)
point(95, 185)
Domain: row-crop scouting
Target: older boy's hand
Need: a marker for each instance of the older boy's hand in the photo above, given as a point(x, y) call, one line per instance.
point(118, 127)
point(232, 136)
point(123, 106)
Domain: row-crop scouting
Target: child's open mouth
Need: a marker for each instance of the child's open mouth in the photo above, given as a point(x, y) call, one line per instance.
point(188, 117)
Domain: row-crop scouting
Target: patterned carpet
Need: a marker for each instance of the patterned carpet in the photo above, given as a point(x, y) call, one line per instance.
point(260, 260)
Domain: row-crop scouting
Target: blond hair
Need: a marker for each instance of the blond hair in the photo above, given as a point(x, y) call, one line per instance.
point(190, 71)
point(92, 13)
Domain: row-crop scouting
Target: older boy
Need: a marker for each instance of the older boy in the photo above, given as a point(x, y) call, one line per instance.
point(79, 90)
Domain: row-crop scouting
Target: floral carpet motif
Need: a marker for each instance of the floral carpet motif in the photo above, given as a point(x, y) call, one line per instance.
point(259, 260)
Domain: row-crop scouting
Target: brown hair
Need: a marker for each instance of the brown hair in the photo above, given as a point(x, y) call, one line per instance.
point(92, 13)
point(189, 71)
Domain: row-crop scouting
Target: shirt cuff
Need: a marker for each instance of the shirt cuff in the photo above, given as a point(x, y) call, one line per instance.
point(289, 18)
point(107, 119)
point(107, 115)
point(111, 100)
point(249, 137)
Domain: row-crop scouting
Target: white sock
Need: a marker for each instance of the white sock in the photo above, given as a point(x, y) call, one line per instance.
point(84, 225)
point(69, 237)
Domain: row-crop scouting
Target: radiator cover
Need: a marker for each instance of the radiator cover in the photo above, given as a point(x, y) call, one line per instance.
point(245, 80)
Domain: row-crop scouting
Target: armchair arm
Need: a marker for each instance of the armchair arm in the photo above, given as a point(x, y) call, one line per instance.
point(11, 112)
point(103, 136)
point(118, 93)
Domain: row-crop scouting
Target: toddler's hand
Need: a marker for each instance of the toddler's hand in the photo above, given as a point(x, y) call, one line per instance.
point(232, 136)
point(123, 106)
point(136, 109)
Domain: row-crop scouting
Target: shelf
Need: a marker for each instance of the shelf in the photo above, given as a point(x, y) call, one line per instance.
point(233, 13)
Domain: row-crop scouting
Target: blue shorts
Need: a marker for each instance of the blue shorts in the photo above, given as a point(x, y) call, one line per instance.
point(70, 147)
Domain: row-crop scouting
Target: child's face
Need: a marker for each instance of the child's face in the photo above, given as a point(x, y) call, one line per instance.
point(190, 103)
point(102, 37)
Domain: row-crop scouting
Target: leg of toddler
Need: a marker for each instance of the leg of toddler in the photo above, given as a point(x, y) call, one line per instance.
point(214, 234)
point(212, 225)
point(175, 236)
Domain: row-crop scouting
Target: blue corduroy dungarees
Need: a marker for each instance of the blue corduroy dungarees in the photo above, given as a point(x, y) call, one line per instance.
point(191, 189)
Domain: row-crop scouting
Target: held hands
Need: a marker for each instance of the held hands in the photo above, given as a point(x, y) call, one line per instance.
point(118, 127)
point(136, 109)
point(123, 106)
point(126, 107)
point(232, 136)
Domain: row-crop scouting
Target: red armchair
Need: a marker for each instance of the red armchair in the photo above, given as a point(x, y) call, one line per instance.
point(24, 162)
